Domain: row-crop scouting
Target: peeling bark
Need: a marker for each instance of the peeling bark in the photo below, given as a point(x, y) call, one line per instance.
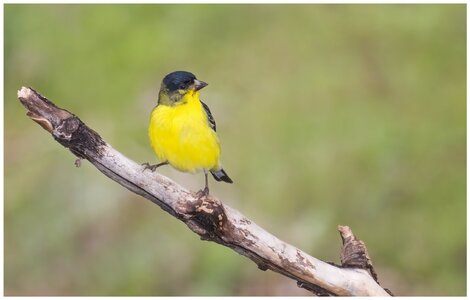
point(208, 216)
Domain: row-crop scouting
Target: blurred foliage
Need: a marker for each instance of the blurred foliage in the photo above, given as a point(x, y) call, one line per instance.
point(328, 114)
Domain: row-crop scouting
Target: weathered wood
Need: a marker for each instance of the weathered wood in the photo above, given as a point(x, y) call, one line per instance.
point(206, 216)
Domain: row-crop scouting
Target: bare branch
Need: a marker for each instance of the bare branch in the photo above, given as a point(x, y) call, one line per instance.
point(206, 216)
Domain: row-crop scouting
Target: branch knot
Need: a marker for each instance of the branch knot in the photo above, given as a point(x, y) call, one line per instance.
point(209, 214)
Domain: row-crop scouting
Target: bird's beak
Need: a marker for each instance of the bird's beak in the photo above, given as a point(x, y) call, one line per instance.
point(198, 84)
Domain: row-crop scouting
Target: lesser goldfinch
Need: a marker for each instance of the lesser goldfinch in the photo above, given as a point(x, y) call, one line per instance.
point(182, 129)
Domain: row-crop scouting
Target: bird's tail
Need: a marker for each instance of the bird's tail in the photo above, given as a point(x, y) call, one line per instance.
point(220, 175)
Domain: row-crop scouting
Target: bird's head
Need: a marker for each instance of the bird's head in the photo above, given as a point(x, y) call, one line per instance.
point(176, 85)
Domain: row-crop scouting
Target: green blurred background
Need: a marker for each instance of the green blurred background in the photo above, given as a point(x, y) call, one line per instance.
point(327, 114)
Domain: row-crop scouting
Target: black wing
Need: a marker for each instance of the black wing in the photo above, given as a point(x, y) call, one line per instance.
point(210, 118)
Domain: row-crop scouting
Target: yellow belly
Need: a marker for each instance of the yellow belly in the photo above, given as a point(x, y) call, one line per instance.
point(181, 135)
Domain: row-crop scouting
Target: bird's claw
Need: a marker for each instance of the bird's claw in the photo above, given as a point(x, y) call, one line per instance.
point(203, 193)
point(149, 166)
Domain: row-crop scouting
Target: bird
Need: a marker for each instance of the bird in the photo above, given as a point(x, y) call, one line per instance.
point(182, 130)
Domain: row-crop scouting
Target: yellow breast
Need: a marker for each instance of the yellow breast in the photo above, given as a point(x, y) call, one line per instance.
point(181, 135)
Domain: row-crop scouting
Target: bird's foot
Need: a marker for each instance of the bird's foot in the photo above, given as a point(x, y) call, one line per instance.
point(203, 193)
point(153, 167)
point(150, 167)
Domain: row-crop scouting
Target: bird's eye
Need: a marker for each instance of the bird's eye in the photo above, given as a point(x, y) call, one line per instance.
point(185, 84)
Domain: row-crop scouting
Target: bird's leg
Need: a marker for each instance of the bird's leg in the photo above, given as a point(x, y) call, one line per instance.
point(206, 188)
point(205, 191)
point(153, 167)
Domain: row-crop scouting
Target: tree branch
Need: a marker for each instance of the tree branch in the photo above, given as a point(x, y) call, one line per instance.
point(207, 216)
